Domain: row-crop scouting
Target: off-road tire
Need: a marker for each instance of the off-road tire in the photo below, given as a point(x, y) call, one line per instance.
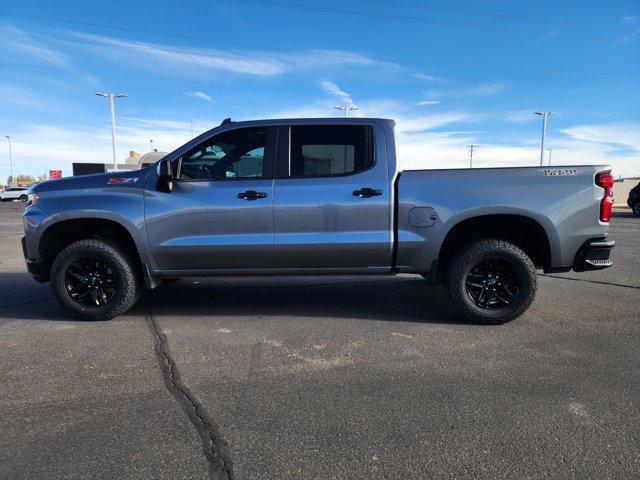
point(472, 254)
point(118, 259)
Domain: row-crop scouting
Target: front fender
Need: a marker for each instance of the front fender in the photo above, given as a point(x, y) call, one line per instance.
point(122, 205)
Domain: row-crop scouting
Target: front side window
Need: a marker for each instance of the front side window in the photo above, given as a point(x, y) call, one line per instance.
point(235, 154)
point(330, 150)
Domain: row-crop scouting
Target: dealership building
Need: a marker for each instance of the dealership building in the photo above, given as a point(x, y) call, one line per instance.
point(134, 161)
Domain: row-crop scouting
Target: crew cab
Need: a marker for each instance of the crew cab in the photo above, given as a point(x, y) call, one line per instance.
point(315, 197)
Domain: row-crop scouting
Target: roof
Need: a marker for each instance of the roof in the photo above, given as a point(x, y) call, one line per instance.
point(320, 120)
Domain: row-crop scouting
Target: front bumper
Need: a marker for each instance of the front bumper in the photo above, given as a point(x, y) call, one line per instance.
point(33, 265)
point(594, 255)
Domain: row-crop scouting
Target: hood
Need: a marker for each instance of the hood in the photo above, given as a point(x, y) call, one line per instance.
point(132, 179)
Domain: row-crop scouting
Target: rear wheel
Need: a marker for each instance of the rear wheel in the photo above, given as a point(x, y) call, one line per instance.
point(24, 198)
point(636, 208)
point(95, 279)
point(491, 281)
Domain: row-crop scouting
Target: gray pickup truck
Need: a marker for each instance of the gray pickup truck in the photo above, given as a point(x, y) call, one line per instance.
point(315, 197)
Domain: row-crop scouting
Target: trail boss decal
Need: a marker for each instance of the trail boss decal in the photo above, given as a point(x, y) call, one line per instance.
point(121, 180)
point(561, 172)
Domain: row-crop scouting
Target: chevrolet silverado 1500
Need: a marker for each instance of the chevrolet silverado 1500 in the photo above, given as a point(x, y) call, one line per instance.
point(315, 197)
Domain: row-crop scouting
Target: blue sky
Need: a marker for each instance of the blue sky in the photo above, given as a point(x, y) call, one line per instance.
point(451, 74)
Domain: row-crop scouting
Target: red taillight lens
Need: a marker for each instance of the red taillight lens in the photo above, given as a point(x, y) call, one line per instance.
point(606, 180)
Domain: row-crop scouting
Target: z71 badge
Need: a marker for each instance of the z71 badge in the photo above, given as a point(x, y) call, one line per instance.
point(561, 172)
point(121, 180)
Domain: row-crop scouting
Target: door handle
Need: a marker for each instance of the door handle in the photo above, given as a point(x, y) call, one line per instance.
point(367, 192)
point(252, 195)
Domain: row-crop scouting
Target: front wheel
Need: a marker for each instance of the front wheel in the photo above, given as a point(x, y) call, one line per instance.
point(636, 208)
point(95, 279)
point(491, 281)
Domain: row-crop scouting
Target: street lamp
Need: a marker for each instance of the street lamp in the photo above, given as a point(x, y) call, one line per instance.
point(544, 133)
point(151, 141)
point(13, 168)
point(346, 109)
point(549, 150)
point(112, 111)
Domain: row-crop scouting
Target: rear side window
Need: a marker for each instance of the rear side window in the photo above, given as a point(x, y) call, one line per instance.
point(318, 151)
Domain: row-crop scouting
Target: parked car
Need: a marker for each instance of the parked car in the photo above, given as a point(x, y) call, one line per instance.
point(14, 193)
point(634, 199)
point(315, 197)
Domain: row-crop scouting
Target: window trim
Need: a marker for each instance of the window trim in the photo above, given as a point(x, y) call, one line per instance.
point(288, 130)
point(268, 165)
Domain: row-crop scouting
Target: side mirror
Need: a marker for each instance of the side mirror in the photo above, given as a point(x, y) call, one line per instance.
point(165, 176)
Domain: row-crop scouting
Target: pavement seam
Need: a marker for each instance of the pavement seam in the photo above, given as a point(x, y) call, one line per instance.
point(214, 447)
point(591, 281)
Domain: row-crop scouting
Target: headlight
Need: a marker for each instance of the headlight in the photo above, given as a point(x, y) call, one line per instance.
point(33, 199)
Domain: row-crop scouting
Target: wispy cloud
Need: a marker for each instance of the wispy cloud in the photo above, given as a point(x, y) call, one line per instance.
point(422, 123)
point(621, 135)
point(175, 61)
point(547, 36)
point(200, 95)
point(429, 78)
point(230, 17)
point(520, 116)
point(633, 20)
point(19, 42)
point(627, 38)
point(333, 89)
point(481, 90)
point(427, 102)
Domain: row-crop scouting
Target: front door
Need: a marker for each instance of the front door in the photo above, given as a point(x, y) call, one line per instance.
point(332, 207)
point(219, 215)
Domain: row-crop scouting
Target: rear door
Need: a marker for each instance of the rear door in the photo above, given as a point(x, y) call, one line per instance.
point(332, 198)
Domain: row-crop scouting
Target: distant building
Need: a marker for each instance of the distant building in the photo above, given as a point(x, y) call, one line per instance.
point(134, 161)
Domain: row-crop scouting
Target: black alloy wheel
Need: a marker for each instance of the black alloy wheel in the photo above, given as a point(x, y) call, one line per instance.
point(493, 284)
point(96, 279)
point(490, 281)
point(91, 282)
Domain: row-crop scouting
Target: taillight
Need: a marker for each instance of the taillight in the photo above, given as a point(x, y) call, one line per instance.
point(605, 180)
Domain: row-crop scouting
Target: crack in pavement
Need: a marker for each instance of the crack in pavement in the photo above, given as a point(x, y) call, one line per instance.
point(590, 281)
point(213, 446)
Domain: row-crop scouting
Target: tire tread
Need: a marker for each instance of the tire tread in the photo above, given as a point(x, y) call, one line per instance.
point(129, 279)
point(467, 255)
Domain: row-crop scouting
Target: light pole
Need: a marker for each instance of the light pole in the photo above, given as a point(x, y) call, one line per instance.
point(549, 150)
point(151, 141)
point(472, 149)
point(346, 109)
point(13, 168)
point(544, 133)
point(112, 110)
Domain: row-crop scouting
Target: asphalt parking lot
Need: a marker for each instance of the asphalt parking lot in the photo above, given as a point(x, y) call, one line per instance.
point(322, 378)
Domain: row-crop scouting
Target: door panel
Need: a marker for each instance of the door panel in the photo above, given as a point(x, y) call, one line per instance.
point(320, 223)
point(204, 225)
point(219, 215)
